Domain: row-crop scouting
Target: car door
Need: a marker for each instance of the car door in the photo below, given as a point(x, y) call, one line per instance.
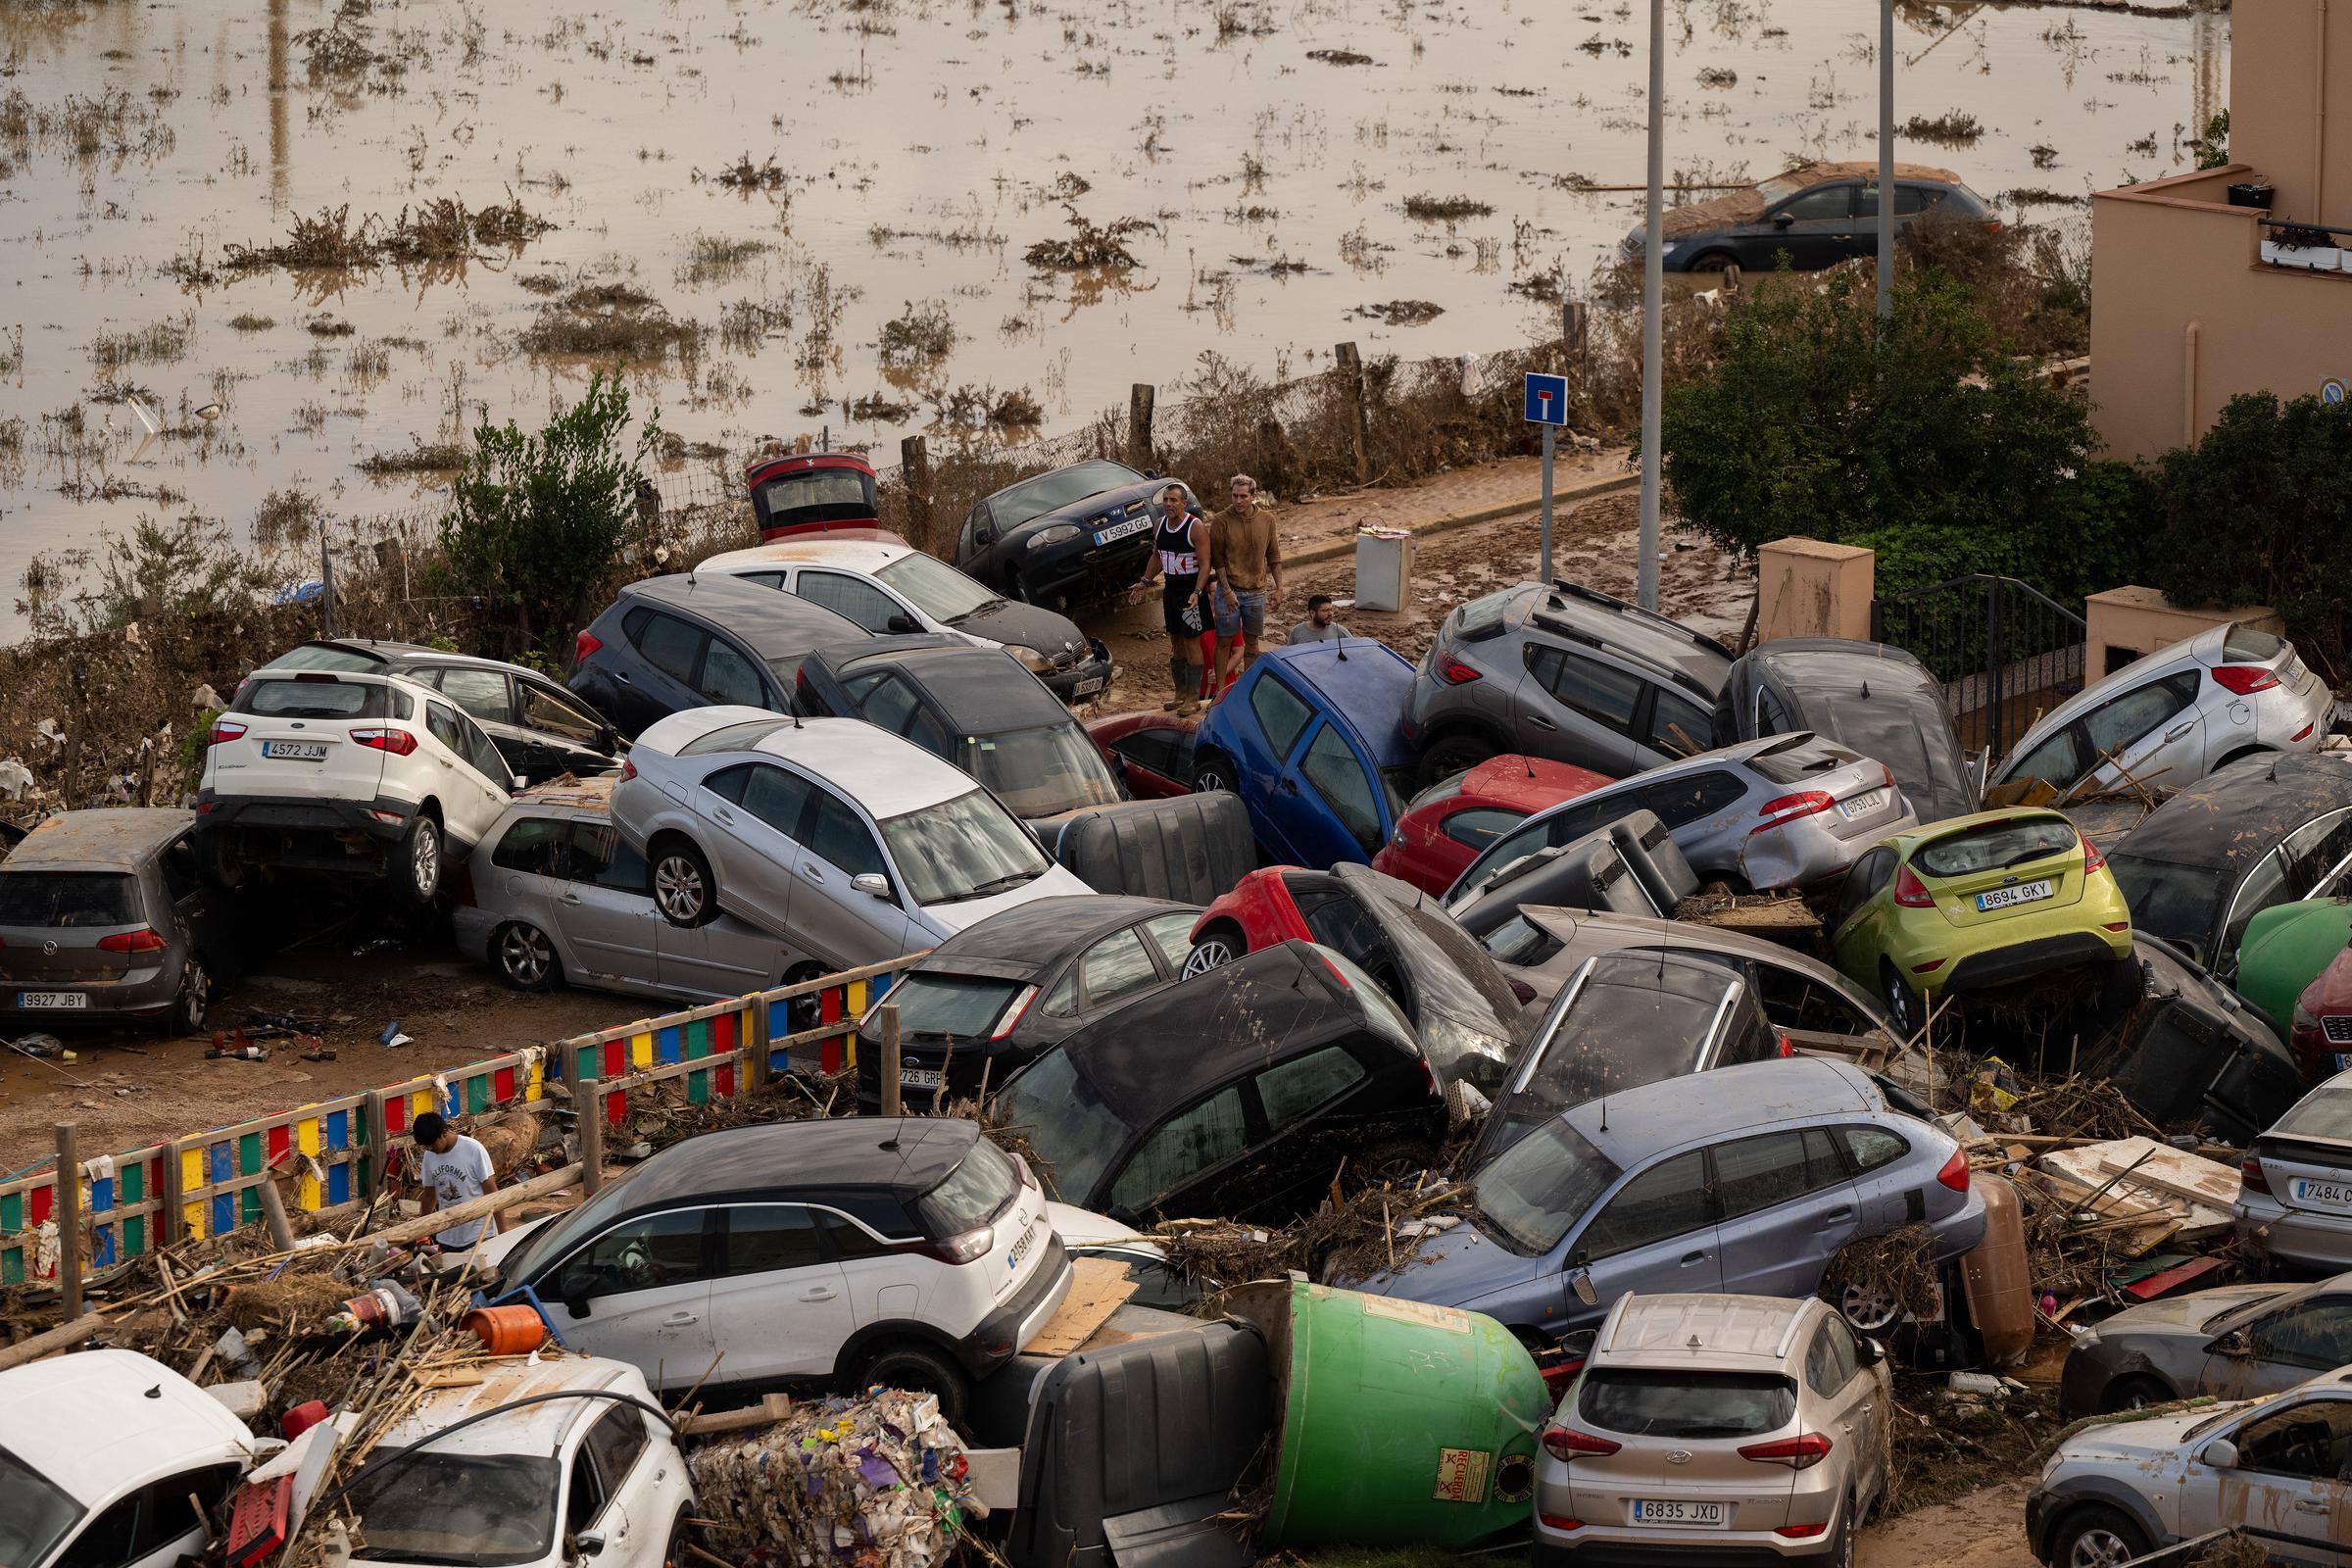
point(152, 1526)
point(565, 736)
point(729, 674)
point(604, 906)
point(1672, 726)
point(670, 649)
point(640, 1292)
point(2290, 1482)
point(197, 908)
point(490, 783)
point(1578, 709)
point(1815, 228)
point(617, 1444)
point(778, 1303)
point(755, 810)
point(455, 777)
point(527, 866)
point(1849, 1396)
point(1330, 800)
point(2152, 732)
point(1783, 1205)
point(1190, 1163)
point(1852, 925)
point(1269, 745)
point(1309, 1139)
point(857, 599)
point(1656, 1233)
point(838, 922)
point(1909, 202)
point(487, 697)
point(2277, 1351)
point(1116, 969)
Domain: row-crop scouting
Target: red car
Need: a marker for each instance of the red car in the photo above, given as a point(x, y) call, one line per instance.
point(832, 493)
point(2323, 1033)
point(1151, 751)
point(1448, 824)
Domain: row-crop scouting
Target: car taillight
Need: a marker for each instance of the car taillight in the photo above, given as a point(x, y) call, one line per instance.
point(1014, 1013)
point(1992, 225)
point(2251, 1177)
point(2302, 734)
point(1800, 1452)
point(1334, 971)
point(1453, 672)
point(582, 646)
point(2244, 679)
point(225, 730)
point(1566, 1442)
point(132, 942)
point(629, 768)
point(1788, 807)
point(399, 742)
point(2092, 860)
point(1801, 1532)
point(1909, 891)
point(963, 1247)
point(1786, 1050)
point(1560, 1521)
point(1954, 1173)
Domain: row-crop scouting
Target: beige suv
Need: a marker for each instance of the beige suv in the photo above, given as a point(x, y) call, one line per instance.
point(1748, 1426)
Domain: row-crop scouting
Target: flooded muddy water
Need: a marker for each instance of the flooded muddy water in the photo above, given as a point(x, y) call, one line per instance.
point(816, 215)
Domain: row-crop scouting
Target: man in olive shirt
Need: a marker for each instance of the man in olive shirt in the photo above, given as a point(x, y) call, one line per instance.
point(1248, 575)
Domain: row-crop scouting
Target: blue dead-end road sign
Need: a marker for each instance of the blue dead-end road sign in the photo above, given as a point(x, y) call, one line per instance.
point(1547, 399)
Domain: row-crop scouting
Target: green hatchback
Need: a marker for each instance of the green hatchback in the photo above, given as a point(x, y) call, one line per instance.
point(1975, 902)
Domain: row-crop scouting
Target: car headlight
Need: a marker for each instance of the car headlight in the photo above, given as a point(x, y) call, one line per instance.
point(1460, 1052)
point(2303, 1018)
point(1061, 533)
point(1031, 660)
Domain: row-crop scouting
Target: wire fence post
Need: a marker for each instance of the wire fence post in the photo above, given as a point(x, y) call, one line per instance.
point(68, 1223)
point(1350, 365)
point(1139, 399)
point(592, 1143)
point(326, 590)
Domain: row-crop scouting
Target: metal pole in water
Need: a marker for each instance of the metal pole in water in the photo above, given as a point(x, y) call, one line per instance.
point(1652, 303)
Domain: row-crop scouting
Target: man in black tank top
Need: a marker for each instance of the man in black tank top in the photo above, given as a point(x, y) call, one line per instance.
point(1180, 560)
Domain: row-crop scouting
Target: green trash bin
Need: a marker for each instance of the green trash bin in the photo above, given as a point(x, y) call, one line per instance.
point(1400, 1421)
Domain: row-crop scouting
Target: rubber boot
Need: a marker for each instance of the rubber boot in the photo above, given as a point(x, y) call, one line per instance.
point(1179, 675)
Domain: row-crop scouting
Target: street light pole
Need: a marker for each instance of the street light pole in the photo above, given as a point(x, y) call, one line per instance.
point(1653, 259)
point(1885, 159)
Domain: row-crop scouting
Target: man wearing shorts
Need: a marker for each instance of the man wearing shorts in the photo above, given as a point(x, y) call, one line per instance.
point(1181, 558)
point(1249, 576)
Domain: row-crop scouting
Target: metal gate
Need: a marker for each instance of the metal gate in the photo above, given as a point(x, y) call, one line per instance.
point(2005, 651)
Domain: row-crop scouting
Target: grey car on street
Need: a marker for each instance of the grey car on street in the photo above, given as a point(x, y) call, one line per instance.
point(2294, 1191)
point(1567, 673)
point(1787, 810)
point(1876, 700)
point(553, 896)
point(105, 918)
point(2240, 1342)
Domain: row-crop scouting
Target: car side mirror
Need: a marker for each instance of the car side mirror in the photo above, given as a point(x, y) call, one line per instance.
point(1870, 1353)
point(521, 782)
point(2220, 1453)
point(576, 1305)
point(1578, 1346)
point(588, 1543)
point(872, 884)
point(607, 740)
point(902, 622)
point(2233, 1343)
point(984, 537)
point(1782, 220)
point(1581, 1282)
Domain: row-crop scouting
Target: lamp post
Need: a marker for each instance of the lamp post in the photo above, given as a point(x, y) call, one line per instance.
point(1885, 159)
point(1652, 288)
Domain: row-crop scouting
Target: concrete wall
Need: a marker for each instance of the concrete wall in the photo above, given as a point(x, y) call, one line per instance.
point(2290, 102)
point(1807, 588)
point(2126, 623)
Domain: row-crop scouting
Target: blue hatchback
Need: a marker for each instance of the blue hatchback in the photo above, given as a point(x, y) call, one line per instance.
point(1311, 739)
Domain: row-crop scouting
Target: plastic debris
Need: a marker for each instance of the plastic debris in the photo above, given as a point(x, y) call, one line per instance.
point(880, 1480)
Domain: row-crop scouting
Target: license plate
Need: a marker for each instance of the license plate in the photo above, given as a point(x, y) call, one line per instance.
point(2343, 1061)
point(1862, 806)
point(1086, 688)
point(2010, 898)
point(2328, 1195)
point(296, 751)
point(1122, 530)
point(1020, 1249)
point(1678, 1511)
point(52, 999)
point(918, 1077)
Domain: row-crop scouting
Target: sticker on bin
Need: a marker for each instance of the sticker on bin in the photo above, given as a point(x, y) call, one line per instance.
point(1462, 1475)
point(1423, 1312)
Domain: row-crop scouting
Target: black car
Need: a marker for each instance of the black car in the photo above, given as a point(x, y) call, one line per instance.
point(673, 643)
point(1240, 1093)
point(2261, 831)
point(542, 730)
point(1079, 532)
point(987, 999)
point(1818, 216)
point(1867, 696)
point(973, 707)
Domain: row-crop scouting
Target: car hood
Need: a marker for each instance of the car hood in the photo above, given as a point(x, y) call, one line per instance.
point(1083, 1227)
point(493, 1253)
point(1457, 1267)
point(950, 919)
point(1009, 620)
point(2186, 1314)
point(2127, 1442)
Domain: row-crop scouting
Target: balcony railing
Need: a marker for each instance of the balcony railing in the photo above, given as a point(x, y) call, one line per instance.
point(2306, 247)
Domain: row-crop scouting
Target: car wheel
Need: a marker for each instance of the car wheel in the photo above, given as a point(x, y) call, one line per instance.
point(1723, 261)
point(2097, 1537)
point(195, 993)
point(1212, 775)
point(684, 891)
point(1902, 1002)
point(224, 866)
point(1393, 1162)
point(1841, 1544)
point(526, 958)
point(681, 1535)
point(416, 868)
point(1015, 589)
point(2122, 983)
point(2135, 1392)
point(1450, 755)
point(1219, 946)
point(1869, 1308)
point(805, 1013)
point(919, 1369)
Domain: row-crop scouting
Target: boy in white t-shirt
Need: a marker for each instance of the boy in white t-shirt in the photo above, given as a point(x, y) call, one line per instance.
point(455, 1168)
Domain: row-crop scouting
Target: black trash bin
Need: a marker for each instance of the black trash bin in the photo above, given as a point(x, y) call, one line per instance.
point(2251, 193)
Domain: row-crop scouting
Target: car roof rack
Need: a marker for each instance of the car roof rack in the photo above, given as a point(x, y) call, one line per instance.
point(1657, 669)
point(1593, 596)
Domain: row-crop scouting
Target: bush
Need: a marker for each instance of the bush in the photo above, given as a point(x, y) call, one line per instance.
point(539, 522)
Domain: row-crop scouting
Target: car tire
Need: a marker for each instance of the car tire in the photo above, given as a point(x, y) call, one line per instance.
point(1903, 1006)
point(1017, 590)
point(1723, 261)
point(1841, 1544)
point(681, 1535)
point(2095, 1535)
point(2136, 1391)
point(684, 890)
point(1391, 1161)
point(1220, 944)
point(190, 1002)
point(1868, 1308)
point(804, 1012)
point(919, 1368)
point(2122, 983)
point(1450, 755)
point(1212, 775)
point(222, 866)
point(417, 862)
point(524, 957)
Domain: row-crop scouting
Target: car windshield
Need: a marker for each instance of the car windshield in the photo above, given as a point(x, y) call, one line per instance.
point(312, 657)
point(1462, 980)
point(315, 698)
point(965, 848)
point(1611, 1038)
point(742, 737)
point(1780, 187)
point(2178, 902)
point(953, 1005)
point(2325, 1112)
point(841, 488)
point(471, 1508)
point(936, 588)
point(1038, 772)
point(1994, 846)
point(1050, 492)
point(68, 899)
point(1445, 789)
point(1072, 1134)
point(1794, 758)
point(1520, 941)
point(38, 1514)
point(1683, 1405)
point(1535, 1191)
point(973, 1192)
point(554, 1239)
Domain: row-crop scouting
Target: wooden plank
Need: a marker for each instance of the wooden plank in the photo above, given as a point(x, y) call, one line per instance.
point(450, 1377)
point(1101, 1288)
point(2189, 1177)
point(770, 1409)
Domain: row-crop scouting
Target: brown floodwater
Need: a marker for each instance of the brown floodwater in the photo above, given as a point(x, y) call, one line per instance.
point(1268, 151)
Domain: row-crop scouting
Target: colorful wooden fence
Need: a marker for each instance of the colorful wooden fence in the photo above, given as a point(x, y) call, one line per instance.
point(208, 1183)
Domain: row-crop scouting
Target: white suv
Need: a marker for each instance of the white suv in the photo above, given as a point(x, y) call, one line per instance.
point(328, 771)
point(832, 1254)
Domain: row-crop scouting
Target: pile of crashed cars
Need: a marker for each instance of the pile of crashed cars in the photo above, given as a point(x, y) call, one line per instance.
point(1655, 985)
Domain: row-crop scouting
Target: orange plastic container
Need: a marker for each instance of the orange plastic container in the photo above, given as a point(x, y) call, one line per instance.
point(507, 1330)
point(2000, 1289)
